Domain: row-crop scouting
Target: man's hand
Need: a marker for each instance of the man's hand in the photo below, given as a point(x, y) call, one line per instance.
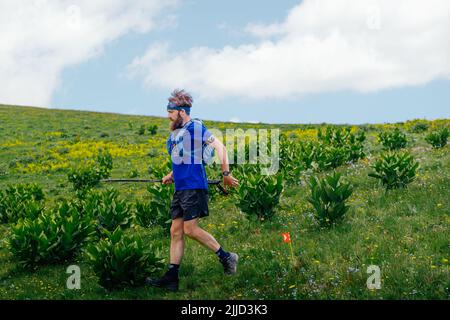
point(230, 181)
point(168, 179)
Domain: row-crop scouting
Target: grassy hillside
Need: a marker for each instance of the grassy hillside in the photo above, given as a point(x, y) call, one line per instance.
point(404, 231)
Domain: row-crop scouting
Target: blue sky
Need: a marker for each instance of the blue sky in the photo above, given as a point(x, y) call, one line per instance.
point(392, 89)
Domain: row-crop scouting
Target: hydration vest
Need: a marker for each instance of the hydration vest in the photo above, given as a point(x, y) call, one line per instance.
point(175, 143)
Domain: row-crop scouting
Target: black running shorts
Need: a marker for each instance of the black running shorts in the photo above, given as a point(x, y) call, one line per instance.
point(189, 204)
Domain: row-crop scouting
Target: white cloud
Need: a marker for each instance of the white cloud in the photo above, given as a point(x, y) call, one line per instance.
point(322, 45)
point(170, 22)
point(40, 38)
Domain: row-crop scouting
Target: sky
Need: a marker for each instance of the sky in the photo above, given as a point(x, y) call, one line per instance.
point(310, 61)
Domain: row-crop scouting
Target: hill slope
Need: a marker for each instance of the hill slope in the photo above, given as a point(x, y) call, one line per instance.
point(405, 232)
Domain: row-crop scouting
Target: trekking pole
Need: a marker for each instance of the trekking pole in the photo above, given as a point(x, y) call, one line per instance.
point(211, 182)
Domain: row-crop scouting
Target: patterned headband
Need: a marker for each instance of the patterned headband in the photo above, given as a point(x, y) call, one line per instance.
point(173, 106)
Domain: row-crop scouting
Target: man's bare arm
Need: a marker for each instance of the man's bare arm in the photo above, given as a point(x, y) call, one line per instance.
point(223, 158)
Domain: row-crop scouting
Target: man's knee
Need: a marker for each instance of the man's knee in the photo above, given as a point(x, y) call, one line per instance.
point(190, 230)
point(176, 231)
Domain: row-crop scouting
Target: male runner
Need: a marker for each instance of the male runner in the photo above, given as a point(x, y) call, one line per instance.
point(190, 200)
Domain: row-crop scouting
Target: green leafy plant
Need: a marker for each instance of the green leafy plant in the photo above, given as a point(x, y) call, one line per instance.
point(109, 211)
point(3, 171)
point(354, 152)
point(395, 170)
point(160, 170)
point(329, 156)
point(307, 154)
point(157, 211)
point(134, 173)
point(419, 127)
point(321, 156)
point(121, 260)
point(153, 129)
point(393, 140)
point(148, 215)
point(21, 201)
point(290, 164)
point(141, 130)
point(328, 197)
point(144, 214)
point(52, 237)
point(340, 136)
point(254, 149)
point(438, 139)
point(85, 177)
point(335, 147)
point(105, 163)
point(259, 194)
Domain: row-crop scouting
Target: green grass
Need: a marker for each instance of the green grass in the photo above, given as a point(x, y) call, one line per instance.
point(405, 231)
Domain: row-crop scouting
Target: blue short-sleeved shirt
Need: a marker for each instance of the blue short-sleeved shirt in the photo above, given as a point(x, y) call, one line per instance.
point(185, 147)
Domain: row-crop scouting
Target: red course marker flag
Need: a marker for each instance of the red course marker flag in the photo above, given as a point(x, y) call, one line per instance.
point(286, 237)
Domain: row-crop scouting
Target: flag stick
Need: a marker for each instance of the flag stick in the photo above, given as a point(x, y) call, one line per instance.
point(292, 253)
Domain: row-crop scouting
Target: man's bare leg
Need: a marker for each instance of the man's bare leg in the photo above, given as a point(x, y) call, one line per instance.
point(176, 241)
point(193, 230)
point(170, 278)
point(229, 260)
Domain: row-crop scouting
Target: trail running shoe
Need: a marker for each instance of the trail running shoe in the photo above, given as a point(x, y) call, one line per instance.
point(167, 282)
point(230, 264)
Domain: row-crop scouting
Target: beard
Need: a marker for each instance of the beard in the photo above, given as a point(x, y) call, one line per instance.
point(176, 124)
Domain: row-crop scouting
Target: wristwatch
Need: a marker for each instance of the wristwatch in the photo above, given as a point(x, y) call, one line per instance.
point(226, 173)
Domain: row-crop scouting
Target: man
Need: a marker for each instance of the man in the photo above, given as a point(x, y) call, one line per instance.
point(190, 200)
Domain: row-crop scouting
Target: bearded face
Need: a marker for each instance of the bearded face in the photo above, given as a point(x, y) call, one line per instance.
point(176, 123)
